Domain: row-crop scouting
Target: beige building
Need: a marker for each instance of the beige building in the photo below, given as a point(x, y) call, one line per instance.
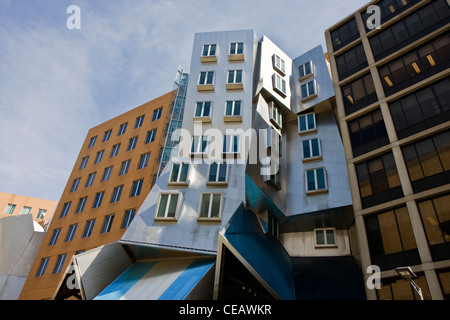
point(114, 171)
point(393, 95)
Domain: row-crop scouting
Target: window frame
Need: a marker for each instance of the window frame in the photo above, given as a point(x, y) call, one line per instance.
point(325, 238)
point(177, 181)
point(98, 199)
point(132, 143)
point(59, 263)
point(115, 150)
point(10, 207)
point(81, 204)
point(65, 209)
point(41, 212)
point(116, 194)
point(303, 72)
point(316, 189)
point(55, 236)
point(144, 160)
point(107, 173)
point(308, 129)
point(279, 85)
point(71, 232)
point(216, 182)
point(157, 113)
point(99, 156)
point(42, 267)
point(210, 204)
point(309, 95)
point(168, 204)
point(107, 224)
point(87, 232)
point(128, 218)
point(312, 157)
point(151, 135)
point(136, 187)
point(279, 64)
point(139, 121)
point(92, 142)
point(122, 129)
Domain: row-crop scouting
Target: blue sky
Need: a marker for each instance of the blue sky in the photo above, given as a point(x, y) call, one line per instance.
point(56, 83)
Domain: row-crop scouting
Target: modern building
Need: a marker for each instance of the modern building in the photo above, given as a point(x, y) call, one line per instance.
point(115, 170)
point(14, 204)
point(392, 104)
point(255, 200)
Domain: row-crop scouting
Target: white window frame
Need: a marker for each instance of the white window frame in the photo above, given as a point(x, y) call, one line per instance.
point(278, 84)
point(25, 210)
point(307, 130)
point(201, 105)
point(208, 217)
point(279, 64)
point(206, 78)
point(41, 214)
point(10, 208)
point(310, 95)
point(229, 147)
point(216, 182)
point(198, 146)
point(233, 108)
point(312, 157)
point(325, 244)
point(235, 73)
point(302, 70)
point(277, 118)
point(169, 199)
point(230, 52)
point(316, 189)
point(209, 50)
point(177, 180)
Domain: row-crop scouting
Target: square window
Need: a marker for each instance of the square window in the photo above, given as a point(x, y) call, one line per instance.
point(231, 144)
point(279, 64)
point(309, 89)
point(168, 206)
point(203, 110)
point(233, 108)
point(41, 214)
point(305, 69)
point(9, 208)
point(179, 173)
point(316, 180)
point(206, 78)
point(25, 210)
point(325, 237)
point(306, 123)
point(236, 48)
point(234, 76)
point(210, 206)
point(311, 149)
point(209, 50)
point(218, 173)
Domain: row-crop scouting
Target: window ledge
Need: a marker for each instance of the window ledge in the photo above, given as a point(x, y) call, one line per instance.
point(232, 118)
point(236, 57)
point(228, 155)
point(276, 124)
point(312, 159)
point(205, 87)
point(305, 77)
point(177, 184)
point(323, 246)
point(281, 72)
point(160, 219)
point(208, 59)
point(202, 119)
point(309, 97)
point(234, 86)
point(217, 183)
point(205, 219)
point(281, 93)
point(307, 131)
point(316, 192)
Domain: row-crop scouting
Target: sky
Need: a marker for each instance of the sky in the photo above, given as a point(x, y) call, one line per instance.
point(56, 83)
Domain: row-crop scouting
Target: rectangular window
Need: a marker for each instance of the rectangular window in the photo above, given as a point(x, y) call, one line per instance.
point(99, 156)
point(143, 161)
point(128, 217)
point(107, 135)
point(117, 192)
point(42, 267)
point(150, 136)
point(199, 144)
point(88, 229)
point(179, 173)
point(306, 123)
point(233, 108)
point(272, 225)
point(25, 210)
point(132, 143)
point(351, 62)
point(305, 69)
point(276, 117)
point(359, 94)
point(139, 122)
point(84, 162)
point(325, 237)
point(107, 224)
point(107, 173)
point(92, 142)
point(75, 184)
point(218, 173)
point(344, 34)
point(234, 76)
point(65, 209)
point(71, 232)
point(309, 89)
point(167, 205)
point(81, 204)
point(311, 149)
point(157, 114)
point(231, 144)
point(115, 150)
point(316, 180)
point(210, 205)
point(279, 64)
point(122, 128)
point(279, 84)
point(90, 179)
point(206, 77)
point(54, 237)
point(209, 50)
point(237, 48)
point(124, 168)
point(98, 199)
point(203, 109)
point(41, 214)
point(59, 263)
point(136, 189)
point(9, 208)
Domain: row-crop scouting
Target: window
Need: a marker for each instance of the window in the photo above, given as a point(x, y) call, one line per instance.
point(279, 64)
point(305, 69)
point(139, 122)
point(209, 50)
point(59, 263)
point(124, 168)
point(309, 89)
point(311, 149)
point(359, 94)
point(306, 123)
point(218, 173)
point(132, 143)
point(279, 84)
point(231, 144)
point(128, 217)
point(98, 199)
point(92, 142)
point(9, 208)
point(71, 232)
point(42, 267)
point(199, 144)
point(136, 189)
point(88, 229)
point(81, 204)
point(274, 179)
point(378, 180)
point(237, 48)
point(367, 133)
point(107, 224)
point(143, 161)
point(54, 237)
point(428, 161)
point(65, 209)
point(179, 173)
point(344, 34)
point(316, 180)
point(122, 128)
point(107, 173)
point(99, 156)
point(107, 135)
point(157, 114)
point(115, 150)
point(391, 239)
point(25, 210)
point(276, 117)
point(234, 76)
point(84, 162)
point(206, 78)
point(167, 205)
point(233, 108)
point(150, 136)
point(325, 237)
point(90, 179)
point(272, 225)
point(203, 109)
point(210, 205)
point(422, 109)
point(351, 62)
point(116, 194)
point(75, 184)
point(41, 214)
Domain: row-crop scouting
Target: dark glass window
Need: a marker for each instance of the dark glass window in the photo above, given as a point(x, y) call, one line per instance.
point(378, 180)
point(359, 94)
point(428, 162)
point(410, 29)
point(367, 133)
point(422, 109)
point(344, 34)
point(351, 61)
